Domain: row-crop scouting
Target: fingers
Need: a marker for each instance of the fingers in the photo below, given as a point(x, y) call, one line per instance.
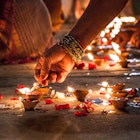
point(61, 77)
point(52, 77)
point(41, 71)
point(37, 71)
point(135, 40)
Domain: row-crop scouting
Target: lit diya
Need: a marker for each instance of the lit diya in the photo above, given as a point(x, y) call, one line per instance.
point(80, 94)
point(119, 103)
point(118, 86)
point(35, 93)
point(120, 94)
point(38, 93)
point(29, 104)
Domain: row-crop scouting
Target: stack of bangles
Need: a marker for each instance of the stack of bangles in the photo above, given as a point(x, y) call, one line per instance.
point(72, 47)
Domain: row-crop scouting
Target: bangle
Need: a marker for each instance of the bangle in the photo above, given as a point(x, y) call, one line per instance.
point(72, 46)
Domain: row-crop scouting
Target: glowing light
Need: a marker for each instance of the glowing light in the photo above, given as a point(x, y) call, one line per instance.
point(107, 30)
point(114, 57)
point(90, 91)
point(70, 89)
point(109, 90)
point(115, 31)
point(102, 90)
point(104, 84)
point(110, 25)
point(24, 90)
point(104, 40)
point(102, 34)
point(89, 48)
point(116, 48)
point(108, 96)
point(128, 19)
point(112, 35)
point(20, 98)
point(90, 56)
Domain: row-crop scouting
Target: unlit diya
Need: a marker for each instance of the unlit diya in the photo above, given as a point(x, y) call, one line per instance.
point(80, 94)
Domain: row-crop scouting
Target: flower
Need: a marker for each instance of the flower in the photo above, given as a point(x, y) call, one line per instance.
point(61, 107)
point(48, 101)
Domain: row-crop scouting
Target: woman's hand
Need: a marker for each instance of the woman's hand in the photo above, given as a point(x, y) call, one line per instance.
point(135, 39)
point(122, 38)
point(54, 66)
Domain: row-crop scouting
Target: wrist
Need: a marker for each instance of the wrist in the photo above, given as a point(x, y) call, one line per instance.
point(72, 46)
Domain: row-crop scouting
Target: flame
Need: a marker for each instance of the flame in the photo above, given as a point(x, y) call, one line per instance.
point(24, 90)
point(90, 56)
point(128, 19)
point(89, 48)
point(102, 34)
point(20, 98)
point(70, 89)
point(114, 57)
point(104, 40)
point(108, 96)
point(104, 84)
point(102, 89)
point(109, 90)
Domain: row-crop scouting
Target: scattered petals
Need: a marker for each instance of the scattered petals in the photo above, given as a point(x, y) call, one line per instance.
point(80, 113)
point(1, 96)
point(13, 98)
point(20, 86)
point(91, 66)
point(61, 107)
point(131, 92)
point(80, 66)
point(48, 101)
point(106, 58)
point(111, 64)
point(86, 107)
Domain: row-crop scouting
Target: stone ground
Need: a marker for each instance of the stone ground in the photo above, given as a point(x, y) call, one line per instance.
point(17, 124)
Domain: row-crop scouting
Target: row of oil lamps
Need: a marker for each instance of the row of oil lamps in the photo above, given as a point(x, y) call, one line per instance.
point(114, 94)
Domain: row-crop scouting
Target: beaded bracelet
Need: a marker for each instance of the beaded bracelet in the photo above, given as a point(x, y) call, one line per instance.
point(72, 46)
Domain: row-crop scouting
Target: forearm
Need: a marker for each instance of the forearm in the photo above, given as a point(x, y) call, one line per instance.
point(95, 18)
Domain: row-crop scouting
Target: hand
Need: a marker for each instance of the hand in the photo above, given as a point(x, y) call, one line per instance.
point(54, 66)
point(122, 38)
point(135, 39)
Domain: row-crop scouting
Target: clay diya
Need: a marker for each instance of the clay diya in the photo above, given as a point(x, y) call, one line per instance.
point(119, 103)
point(98, 61)
point(120, 94)
point(118, 86)
point(43, 90)
point(38, 93)
point(29, 104)
point(80, 94)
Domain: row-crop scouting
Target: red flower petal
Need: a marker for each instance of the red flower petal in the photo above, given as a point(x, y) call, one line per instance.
point(1, 97)
point(13, 98)
point(91, 66)
point(80, 66)
point(61, 107)
point(48, 101)
point(20, 86)
point(80, 113)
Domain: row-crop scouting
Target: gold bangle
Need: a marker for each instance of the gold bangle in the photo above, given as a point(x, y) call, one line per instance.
point(72, 46)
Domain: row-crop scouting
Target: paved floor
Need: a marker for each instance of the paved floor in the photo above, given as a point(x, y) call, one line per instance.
point(17, 124)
